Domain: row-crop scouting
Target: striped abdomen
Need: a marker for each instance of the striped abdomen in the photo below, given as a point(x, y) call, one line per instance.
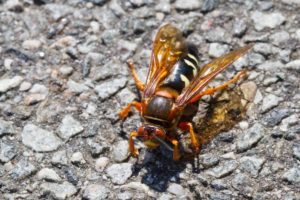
point(184, 70)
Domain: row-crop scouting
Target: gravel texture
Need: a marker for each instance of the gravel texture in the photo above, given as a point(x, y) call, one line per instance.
point(64, 78)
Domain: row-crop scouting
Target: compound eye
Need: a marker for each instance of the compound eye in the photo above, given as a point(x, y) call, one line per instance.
point(159, 132)
point(141, 130)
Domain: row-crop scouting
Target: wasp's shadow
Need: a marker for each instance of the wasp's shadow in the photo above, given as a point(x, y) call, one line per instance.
point(158, 168)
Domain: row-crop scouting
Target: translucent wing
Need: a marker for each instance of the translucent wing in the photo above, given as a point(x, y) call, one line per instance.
point(207, 73)
point(169, 46)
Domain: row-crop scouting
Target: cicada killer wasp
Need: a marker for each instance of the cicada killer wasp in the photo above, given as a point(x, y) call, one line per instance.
point(174, 85)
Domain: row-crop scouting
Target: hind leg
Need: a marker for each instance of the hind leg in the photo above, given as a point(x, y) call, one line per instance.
point(209, 91)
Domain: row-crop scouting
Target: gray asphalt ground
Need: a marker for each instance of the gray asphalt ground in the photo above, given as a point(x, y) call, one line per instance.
point(63, 80)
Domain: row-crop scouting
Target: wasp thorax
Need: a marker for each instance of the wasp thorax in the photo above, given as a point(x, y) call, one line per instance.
point(158, 110)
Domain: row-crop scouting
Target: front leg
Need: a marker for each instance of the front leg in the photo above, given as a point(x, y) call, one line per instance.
point(134, 152)
point(176, 153)
point(188, 126)
point(139, 84)
point(126, 110)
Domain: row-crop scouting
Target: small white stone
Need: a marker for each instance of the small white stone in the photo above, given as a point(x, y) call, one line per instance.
point(34, 98)
point(119, 173)
point(25, 86)
point(7, 84)
point(240, 63)
point(258, 97)
point(39, 88)
point(295, 64)
point(89, 5)
point(217, 50)
point(48, 174)
point(110, 87)
point(163, 6)
point(291, 120)
point(127, 48)
point(95, 26)
point(69, 127)
point(126, 96)
point(176, 189)
point(270, 80)
point(101, 164)
point(39, 139)
point(280, 37)
point(9, 166)
point(137, 186)
point(292, 175)
point(31, 44)
point(7, 63)
point(96, 192)
point(60, 158)
point(77, 158)
point(91, 108)
point(244, 125)
point(263, 48)
point(41, 54)
point(76, 87)
point(64, 190)
point(297, 34)
point(160, 16)
point(229, 156)
point(249, 90)
point(263, 20)
point(252, 164)
point(187, 5)
point(66, 70)
point(253, 75)
point(269, 102)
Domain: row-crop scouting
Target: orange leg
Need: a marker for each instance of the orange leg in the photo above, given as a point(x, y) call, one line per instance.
point(176, 154)
point(188, 126)
point(209, 91)
point(134, 152)
point(140, 85)
point(125, 111)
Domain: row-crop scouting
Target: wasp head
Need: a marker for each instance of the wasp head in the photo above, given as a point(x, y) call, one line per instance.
point(152, 136)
